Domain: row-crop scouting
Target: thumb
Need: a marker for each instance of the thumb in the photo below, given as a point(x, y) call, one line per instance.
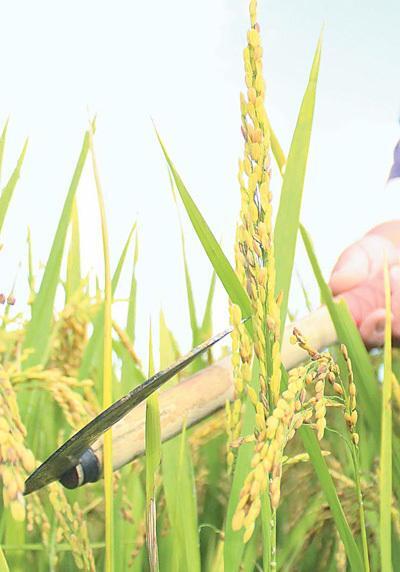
point(350, 270)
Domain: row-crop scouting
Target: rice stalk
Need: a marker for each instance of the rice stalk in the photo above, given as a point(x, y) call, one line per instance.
point(71, 526)
point(153, 460)
point(351, 418)
point(107, 371)
point(3, 562)
point(385, 468)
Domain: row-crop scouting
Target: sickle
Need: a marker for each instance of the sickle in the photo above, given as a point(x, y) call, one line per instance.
point(68, 456)
point(80, 459)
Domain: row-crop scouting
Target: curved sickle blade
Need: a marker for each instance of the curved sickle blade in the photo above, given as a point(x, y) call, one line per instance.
point(68, 455)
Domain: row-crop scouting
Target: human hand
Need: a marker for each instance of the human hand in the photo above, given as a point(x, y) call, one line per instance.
point(358, 278)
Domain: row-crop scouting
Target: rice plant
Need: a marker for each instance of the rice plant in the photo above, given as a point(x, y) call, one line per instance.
point(286, 468)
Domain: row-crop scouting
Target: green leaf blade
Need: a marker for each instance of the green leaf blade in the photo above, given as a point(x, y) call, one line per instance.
point(288, 217)
point(313, 449)
point(211, 246)
point(8, 190)
point(73, 280)
point(92, 351)
point(39, 328)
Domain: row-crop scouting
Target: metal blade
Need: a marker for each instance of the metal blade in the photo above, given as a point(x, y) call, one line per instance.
point(68, 455)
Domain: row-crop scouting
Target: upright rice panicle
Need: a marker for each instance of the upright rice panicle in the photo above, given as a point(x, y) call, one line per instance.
point(255, 250)
point(254, 253)
point(255, 265)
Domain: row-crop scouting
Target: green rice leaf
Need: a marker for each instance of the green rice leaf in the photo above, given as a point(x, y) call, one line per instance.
point(187, 506)
point(287, 221)
point(39, 328)
point(313, 449)
point(7, 192)
point(3, 138)
point(189, 289)
point(184, 553)
point(294, 542)
point(266, 520)
point(132, 294)
point(94, 346)
point(73, 280)
point(213, 250)
point(190, 298)
point(127, 532)
point(206, 324)
point(277, 150)
point(129, 371)
point(385, 472)
point(121, 261)
point(250, 556)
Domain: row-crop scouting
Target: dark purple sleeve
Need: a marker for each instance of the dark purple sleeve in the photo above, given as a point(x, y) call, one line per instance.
point(395, 170)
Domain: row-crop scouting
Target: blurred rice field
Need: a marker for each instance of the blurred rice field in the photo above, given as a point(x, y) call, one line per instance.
point(300, 473)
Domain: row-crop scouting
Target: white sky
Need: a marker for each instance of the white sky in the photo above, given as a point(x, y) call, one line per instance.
point(179, 62)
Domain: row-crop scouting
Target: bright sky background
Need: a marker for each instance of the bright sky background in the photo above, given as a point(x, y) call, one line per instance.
point(179, 62)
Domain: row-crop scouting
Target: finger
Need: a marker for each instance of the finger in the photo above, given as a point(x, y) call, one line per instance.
point(364, 299)
point(361, 262)
point(372, 323)
point(395, 291)
point(389, 230)
point(379, 249)
point(370, 296)
point(372, 328)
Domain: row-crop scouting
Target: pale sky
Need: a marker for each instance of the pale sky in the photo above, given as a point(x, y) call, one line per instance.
point(179, 63)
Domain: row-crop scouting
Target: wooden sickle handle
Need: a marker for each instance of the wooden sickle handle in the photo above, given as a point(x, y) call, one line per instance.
point(205, 392)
